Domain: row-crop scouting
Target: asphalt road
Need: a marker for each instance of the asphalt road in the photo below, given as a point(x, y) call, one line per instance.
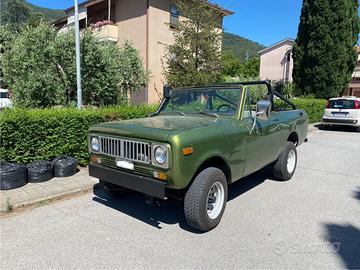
point(311, 221)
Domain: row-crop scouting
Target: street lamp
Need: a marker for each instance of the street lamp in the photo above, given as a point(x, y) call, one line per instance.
point(77, 45)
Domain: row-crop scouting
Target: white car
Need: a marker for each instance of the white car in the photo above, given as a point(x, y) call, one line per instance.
point(5, 101)
point(343, 111)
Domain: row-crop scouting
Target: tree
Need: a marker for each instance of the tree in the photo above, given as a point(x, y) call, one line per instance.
point(29, 71)
point(195, 56)
point(40, 69)
point(251, 68)
point(16, 14)
point(324, 51)
point(232, 67)
point(6, 37)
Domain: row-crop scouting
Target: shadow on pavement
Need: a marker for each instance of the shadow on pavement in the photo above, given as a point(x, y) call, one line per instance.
point(171, 211)
point(337, 128)
point(250, 182)
point(357, 195)
point(345, 241)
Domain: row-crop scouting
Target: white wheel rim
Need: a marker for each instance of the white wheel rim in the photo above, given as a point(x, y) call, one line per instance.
point(215, 200)
point(291, 161)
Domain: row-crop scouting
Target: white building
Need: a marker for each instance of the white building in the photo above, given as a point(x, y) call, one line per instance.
point(276, 62)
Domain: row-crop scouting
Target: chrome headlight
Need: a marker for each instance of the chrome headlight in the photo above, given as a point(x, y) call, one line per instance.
point(95, 144)
point(160, 155)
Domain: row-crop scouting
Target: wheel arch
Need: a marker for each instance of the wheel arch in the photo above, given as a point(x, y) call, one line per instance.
point(217, 162)
point(294, 138)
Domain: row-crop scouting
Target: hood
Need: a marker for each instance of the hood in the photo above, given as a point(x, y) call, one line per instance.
point(156, 128)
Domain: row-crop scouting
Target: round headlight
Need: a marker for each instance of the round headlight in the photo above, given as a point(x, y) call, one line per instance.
point(160, 155)
point(95, 145)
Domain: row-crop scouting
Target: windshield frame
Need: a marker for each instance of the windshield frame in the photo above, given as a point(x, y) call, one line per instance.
point(235, 87)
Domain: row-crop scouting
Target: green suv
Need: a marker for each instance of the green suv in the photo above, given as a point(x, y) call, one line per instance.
point(200, 140)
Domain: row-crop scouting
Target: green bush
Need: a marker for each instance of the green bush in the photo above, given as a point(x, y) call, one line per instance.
point(39, 67)
point(28, 135)
point(313, 107)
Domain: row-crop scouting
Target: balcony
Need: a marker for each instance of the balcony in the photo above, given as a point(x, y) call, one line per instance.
point(106, 30)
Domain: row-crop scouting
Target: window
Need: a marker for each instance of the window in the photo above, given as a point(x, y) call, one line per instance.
point(288, 56)
point(217, 100)
point(253, 94)
point(174, 16)
point(4, 95)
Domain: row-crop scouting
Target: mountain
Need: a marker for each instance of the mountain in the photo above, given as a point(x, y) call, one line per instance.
point(240, 47)
point(49, 14)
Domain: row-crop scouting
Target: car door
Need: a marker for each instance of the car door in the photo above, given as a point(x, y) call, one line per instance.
point(263, 142)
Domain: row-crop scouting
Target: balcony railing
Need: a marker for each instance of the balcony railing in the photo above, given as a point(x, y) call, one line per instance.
point(106, 30)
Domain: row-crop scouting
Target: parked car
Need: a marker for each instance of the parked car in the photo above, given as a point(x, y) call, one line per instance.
point(344, 111)
point(199, 141)
point(5, 101)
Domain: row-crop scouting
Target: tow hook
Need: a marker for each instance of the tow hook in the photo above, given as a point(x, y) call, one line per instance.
point(152, 201)
point(306, 140)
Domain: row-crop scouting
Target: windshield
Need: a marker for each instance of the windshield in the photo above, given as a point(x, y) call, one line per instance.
point(211, 101)
point(4, 95)
point(342, 104)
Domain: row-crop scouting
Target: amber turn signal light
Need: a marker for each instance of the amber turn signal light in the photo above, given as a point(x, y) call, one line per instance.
point(95, 159)
point(187, 151)
point(160, 175)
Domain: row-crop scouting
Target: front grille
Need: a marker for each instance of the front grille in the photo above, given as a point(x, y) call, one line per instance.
point(138, 168)
point(126, 149)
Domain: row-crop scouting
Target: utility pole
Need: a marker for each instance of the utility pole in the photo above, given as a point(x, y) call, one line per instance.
point(109, 10)
point(77, 45)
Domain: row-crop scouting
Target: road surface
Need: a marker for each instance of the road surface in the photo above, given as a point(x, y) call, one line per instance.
point(311, 221)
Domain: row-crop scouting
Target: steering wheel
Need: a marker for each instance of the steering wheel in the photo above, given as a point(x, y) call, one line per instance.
point(226, 105)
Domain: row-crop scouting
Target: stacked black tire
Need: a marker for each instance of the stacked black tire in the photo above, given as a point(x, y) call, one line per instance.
point(40, 171)
point(17, 175)
point(12, 175)
point(64, 166)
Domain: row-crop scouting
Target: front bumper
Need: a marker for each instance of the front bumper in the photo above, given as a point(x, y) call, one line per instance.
point(342, 122)
point(139, 183)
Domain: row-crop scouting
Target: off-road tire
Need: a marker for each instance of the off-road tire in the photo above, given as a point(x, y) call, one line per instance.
point(114, 191)
point(195, 203)
point(280, 169)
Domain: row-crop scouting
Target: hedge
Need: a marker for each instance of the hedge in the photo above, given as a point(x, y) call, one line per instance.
point(313, 107)
point(28, 135)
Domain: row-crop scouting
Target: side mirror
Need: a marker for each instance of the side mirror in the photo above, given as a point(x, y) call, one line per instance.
point(263, 110)
point(166, 91)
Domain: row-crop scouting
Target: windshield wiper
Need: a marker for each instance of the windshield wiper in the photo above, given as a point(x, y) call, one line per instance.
point(209, 113)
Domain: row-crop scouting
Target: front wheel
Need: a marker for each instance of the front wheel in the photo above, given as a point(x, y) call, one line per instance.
point(206, 199)
point(284, 167)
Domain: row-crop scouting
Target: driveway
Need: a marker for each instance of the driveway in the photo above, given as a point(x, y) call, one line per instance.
point(311, 221)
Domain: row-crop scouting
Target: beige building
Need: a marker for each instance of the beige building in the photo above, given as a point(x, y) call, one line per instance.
point(148, 24)
point(353, 88)
point(276, 61)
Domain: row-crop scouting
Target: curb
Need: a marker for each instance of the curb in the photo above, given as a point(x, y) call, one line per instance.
point(313, 127)
point(45, 200)
point(36, 194)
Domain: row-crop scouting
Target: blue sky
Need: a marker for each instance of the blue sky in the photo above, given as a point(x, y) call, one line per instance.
point(263, 21)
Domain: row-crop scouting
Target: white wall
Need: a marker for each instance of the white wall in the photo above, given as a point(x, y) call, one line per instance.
point(273, 62)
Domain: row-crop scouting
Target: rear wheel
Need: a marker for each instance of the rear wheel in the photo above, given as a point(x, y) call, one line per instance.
point(114, 191)
point(206, 199)
point(285, 166)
